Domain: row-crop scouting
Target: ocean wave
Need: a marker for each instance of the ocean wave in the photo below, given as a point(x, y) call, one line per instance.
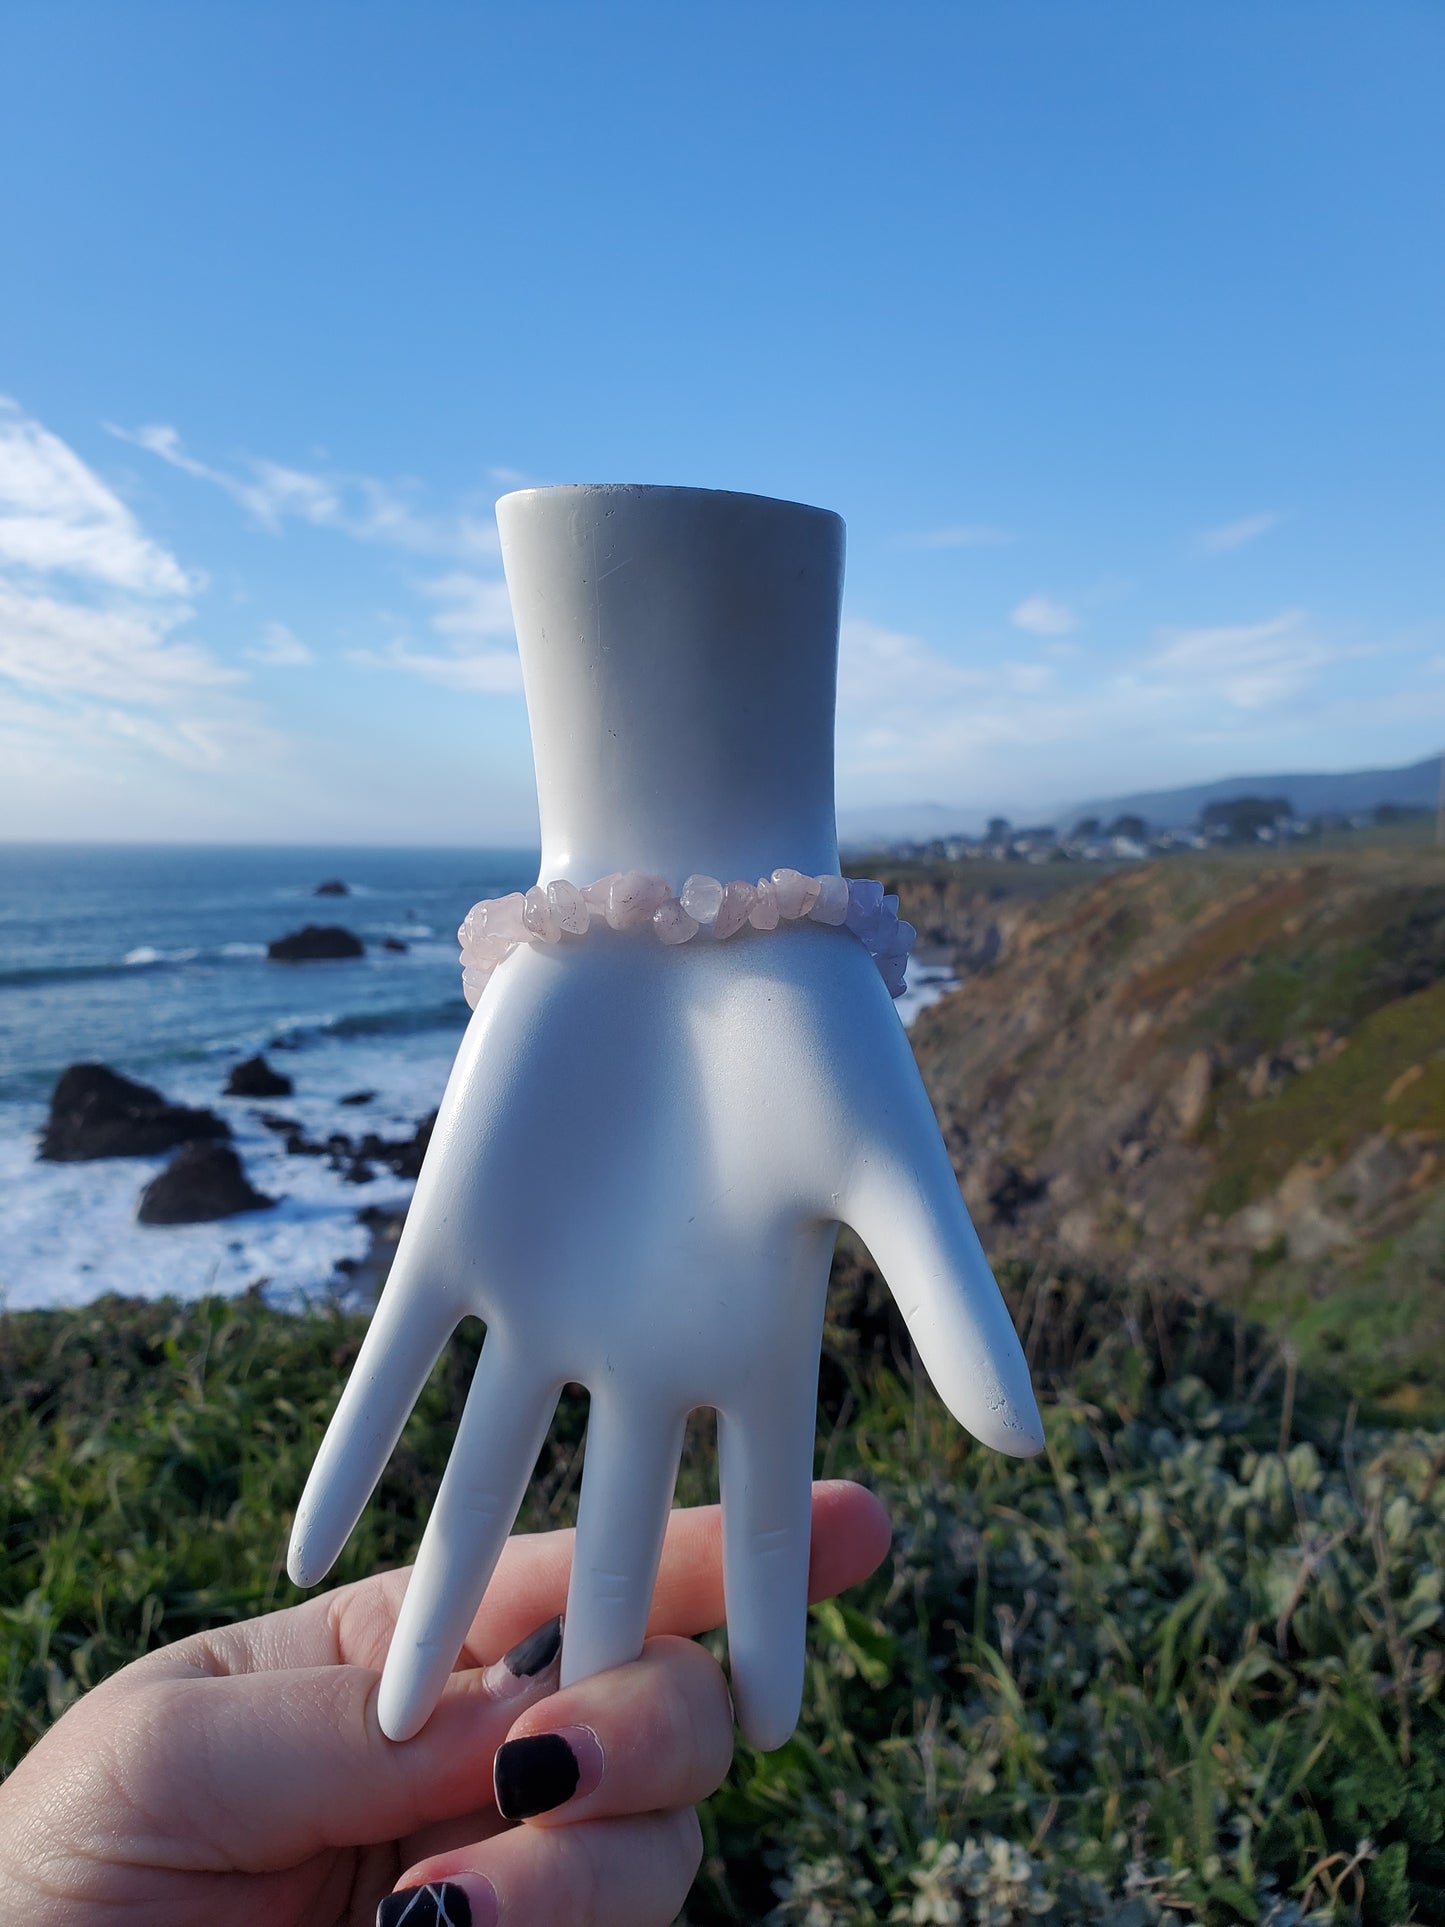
point(144, 956)
point(450, 1015)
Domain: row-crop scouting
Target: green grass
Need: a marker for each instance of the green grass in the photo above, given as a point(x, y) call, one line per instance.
point(1168, 1671)
point(1321, 1113)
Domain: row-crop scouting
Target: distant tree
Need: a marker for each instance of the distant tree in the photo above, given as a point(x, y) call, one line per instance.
point(1133, 827)
point(1242, 817)
point(998, 829)
point(1043, 833)
point(1400, 812)
point(1087, 826)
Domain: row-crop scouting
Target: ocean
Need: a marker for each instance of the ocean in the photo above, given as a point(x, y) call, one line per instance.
point(153, 960)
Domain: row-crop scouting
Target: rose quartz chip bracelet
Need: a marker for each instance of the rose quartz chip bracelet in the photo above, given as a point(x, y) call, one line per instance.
point(628, 900)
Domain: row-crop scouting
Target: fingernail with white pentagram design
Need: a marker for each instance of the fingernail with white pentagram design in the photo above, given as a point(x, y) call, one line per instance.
point(442, 1903)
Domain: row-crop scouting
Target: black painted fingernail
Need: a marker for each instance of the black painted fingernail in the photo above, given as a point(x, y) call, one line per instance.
point(534, 1775)
point(537, 1650)
point(438, 1904)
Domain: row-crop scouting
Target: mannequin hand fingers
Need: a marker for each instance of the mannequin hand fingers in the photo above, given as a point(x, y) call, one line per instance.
point(402, 1343)
point(905, 1204)
point(629, 1470)
point(502, 1430)
point(765, 1467)
point(600, 1873)
point(353, 1625)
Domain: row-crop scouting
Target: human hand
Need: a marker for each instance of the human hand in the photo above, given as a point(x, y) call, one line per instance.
point(636, 1178)
point(241, 1776)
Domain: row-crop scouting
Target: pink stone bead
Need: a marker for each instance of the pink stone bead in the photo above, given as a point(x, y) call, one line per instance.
point(485, 952)
point(539, 916)
point(892, 970)
point(672, 923)
point(701, 897)
point(497, 917)
point(569, 906)
point(895, 940)
point(733, 911)
point(474, 982)
point(596, 895)
point(832, 901)
point(764, 913)
point(633, 898)
point(796, 894)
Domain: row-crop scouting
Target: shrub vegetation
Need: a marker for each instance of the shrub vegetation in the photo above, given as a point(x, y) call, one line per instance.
point(1185, 1666)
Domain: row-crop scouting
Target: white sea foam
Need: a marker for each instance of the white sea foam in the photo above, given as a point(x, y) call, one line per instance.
point(70, 1229)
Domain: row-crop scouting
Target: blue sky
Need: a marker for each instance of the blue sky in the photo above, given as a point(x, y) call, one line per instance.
point(1116, 333)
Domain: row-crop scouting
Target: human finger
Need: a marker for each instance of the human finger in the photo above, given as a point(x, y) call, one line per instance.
point(629, 1471)
point(655, 1733)
point(504, 1424)
point(600, 1873)
point(904, 1202)
point(265, 1770)
point(353, 1624)
point(765, 1466)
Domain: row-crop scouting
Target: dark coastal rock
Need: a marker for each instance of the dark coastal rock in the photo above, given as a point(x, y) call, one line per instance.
point(358, 1171)
point(405, 1155)
point(202, 1182)
point(96, 1113)
point(358, 1097)
point(333, 887)
point(394, 943)
point(255, 1078)
point(316, 941)
point(274, 1121)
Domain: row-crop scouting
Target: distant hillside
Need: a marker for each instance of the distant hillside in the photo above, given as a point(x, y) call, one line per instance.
point(1228, 1071)
point(1346, 793)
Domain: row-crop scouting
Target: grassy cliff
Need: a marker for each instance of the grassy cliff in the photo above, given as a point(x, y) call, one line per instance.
point(1227, 1070)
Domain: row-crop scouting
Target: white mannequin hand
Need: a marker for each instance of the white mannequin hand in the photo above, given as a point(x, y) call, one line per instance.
point(635, 1180)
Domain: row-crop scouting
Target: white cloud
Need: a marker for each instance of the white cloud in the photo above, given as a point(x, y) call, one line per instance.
point(1041, 615)
point(473, 619)
point(469, 605)
point(993, 731)
point(885, 674)
point(959, 535)
point(1251, 666)
point(58, 518)
point(279, 648)
point(360, 506)
point(487, 672)
point(92, 661)
point(1234, 535)
point(119, 653)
